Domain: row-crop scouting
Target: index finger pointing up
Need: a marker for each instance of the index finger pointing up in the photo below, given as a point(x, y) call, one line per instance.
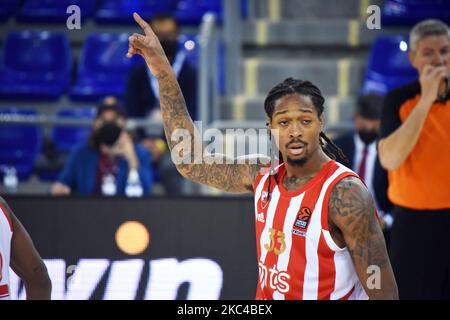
point(144, 25)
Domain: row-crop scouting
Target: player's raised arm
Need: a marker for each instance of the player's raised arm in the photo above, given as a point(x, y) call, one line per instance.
point(351, 210)
point(224, 174)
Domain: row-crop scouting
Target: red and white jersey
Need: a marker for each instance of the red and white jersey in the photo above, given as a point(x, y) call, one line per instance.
point(297, 256)
point(6, 231)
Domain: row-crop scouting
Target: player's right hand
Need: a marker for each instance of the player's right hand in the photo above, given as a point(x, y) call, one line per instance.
point(431, 78)
point(149, 47)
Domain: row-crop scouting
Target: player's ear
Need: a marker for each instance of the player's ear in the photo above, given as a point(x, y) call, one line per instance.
point(269, 123)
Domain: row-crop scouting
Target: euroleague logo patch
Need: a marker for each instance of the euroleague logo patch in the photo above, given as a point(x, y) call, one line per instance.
point(303, 218)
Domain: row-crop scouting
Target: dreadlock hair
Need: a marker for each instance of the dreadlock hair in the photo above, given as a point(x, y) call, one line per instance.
point(307, 88)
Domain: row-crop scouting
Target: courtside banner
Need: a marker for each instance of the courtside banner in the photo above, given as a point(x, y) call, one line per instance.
point(147, 249)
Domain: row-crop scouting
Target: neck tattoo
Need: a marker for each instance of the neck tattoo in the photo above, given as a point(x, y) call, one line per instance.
point(294, 183)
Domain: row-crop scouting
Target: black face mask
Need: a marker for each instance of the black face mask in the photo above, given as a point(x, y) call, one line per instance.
point(170, 48)
point(367, 136)
point(108, 134)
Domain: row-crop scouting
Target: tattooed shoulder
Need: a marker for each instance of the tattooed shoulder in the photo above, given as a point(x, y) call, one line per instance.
point(352, 211)
point(350, 199)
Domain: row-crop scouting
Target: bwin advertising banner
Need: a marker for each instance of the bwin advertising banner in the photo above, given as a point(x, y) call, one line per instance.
point(155, 248)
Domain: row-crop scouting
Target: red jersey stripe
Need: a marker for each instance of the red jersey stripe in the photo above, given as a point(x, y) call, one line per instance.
point(327, 270)
point(4, 290)
point(298, 265)
point(275, 245)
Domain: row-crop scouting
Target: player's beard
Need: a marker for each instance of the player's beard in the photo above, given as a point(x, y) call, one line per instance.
point(297, 162)
point(300, 162)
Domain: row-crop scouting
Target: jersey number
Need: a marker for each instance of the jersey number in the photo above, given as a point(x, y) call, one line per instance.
point(280, 239)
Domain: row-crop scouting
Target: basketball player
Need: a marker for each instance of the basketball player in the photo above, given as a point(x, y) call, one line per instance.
point(17, 250)
point(318, 236)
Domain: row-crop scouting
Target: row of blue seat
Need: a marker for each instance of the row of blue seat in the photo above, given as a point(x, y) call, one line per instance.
point(409, 12)
point(388, 65)
point(38, 66)
point(22, 144)
point(395, 12)
point(187, 12)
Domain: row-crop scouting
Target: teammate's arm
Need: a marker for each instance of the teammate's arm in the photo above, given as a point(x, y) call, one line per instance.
point(26, 261)
point(225, 174)
point(351, 210)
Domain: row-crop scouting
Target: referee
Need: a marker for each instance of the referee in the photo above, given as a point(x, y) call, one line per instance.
point(414, 147)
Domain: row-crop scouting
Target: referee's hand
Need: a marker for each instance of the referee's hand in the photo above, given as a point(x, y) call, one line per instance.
point(431, 78)
point(149, 47)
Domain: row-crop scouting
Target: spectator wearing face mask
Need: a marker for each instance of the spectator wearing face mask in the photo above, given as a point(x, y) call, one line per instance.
point(109, 163)
point(360, 147)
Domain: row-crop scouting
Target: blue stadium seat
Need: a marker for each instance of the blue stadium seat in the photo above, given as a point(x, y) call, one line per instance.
point(53, 11)
point(65, 137)
point(20, 144)
point(35, 65)
point(8, 8)
point(388, 66)
point(409, 12)
point(121, 11)
point(190, 12)
point(103, 67)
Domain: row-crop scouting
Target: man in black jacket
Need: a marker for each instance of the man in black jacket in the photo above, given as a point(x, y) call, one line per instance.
point(361, 150)
point(140, 102)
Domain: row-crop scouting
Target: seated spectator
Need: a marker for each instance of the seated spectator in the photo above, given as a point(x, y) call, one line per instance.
point(109, 163)
point(360, 146)
point(142, 101)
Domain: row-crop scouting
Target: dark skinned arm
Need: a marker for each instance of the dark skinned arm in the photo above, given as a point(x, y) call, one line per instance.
point(351, 210)
point(26, 261)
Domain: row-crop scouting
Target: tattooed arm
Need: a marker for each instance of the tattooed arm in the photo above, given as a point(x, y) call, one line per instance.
point(352, 213)
point(215, 171)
